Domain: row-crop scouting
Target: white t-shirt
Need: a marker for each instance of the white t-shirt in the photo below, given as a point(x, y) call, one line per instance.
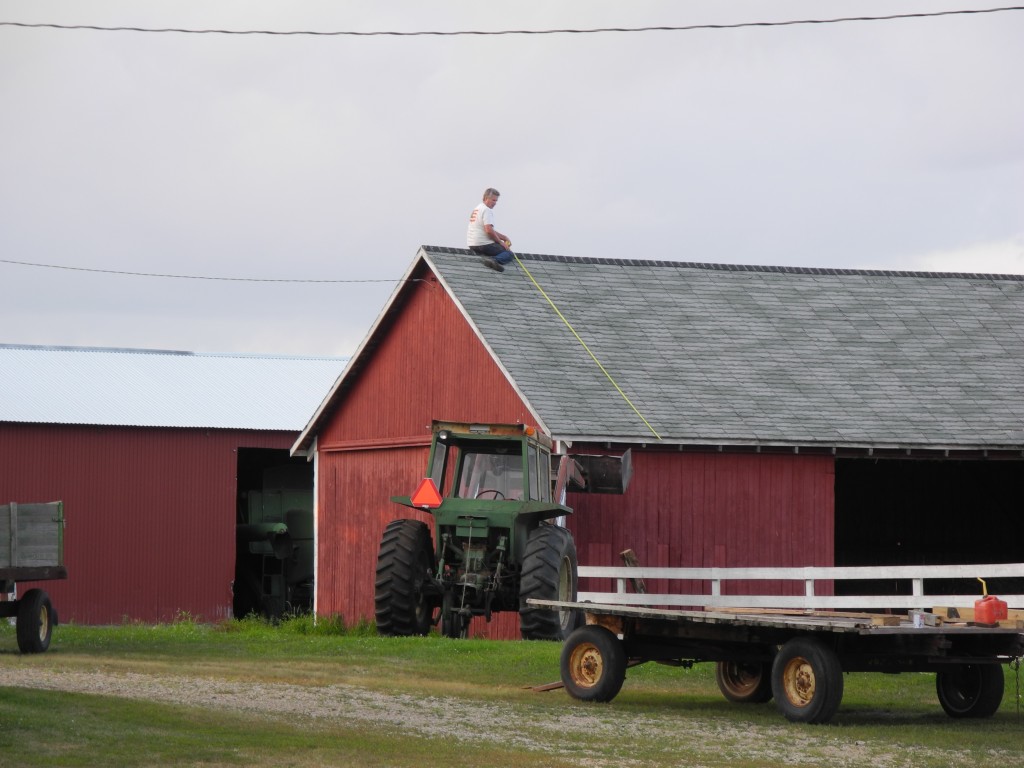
point(480, 216)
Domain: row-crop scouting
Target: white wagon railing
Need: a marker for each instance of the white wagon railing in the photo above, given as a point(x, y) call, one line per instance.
point(809, 576)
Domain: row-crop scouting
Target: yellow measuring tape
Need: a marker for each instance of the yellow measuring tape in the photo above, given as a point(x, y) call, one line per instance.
point(584, 345)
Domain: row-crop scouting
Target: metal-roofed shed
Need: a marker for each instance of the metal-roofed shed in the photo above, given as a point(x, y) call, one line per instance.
point(159, 458)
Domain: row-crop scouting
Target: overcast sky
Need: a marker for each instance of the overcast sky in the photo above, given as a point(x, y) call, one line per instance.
point(895, 145)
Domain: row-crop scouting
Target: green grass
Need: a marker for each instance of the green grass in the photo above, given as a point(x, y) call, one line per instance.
point(663, 716)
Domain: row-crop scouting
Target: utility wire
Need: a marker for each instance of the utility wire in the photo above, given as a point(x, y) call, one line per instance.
point(191, 277)
point(469, 32)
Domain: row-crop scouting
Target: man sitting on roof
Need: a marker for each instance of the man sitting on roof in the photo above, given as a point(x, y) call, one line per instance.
point(483, 239)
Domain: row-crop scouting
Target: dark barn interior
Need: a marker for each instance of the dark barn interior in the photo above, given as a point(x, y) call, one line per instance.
point(929, 512)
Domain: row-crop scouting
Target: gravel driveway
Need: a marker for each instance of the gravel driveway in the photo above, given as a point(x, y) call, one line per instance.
point(510, 724)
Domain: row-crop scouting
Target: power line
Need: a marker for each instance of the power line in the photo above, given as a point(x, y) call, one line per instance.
point(190, 277)
point(478, 32)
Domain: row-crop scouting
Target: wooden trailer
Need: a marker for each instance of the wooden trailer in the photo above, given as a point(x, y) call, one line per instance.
point(31, 549)
point(796, 648)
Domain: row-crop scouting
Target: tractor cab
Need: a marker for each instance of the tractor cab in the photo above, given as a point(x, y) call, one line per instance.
point(498, 462)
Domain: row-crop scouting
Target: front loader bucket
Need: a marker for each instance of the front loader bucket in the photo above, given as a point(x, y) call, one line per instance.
point(602, 474)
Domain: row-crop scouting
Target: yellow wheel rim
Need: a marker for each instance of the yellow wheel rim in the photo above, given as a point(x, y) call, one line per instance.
point(586, 665)
point(798, 682)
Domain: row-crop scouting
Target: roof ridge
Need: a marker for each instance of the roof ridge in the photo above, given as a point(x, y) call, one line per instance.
point(827, 271)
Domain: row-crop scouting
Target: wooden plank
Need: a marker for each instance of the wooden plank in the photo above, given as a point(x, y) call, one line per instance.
point(630, 559)
point(802, 612)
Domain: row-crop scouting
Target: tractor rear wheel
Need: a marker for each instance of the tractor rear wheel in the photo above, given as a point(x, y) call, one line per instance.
point(404, 567)
point(549, 573)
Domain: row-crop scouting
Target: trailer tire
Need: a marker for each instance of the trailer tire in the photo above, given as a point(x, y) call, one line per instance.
point(970, 690)
point(405, 564)
point(549, 573)
point(35, 622)
point(807, 681)
point(593, 664)
point(745, 682)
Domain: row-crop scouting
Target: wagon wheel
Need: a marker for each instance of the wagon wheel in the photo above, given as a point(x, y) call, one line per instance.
point(807, 681)
point(970, 690)
point(745, 682)
point(35, 622)
point(593, 664)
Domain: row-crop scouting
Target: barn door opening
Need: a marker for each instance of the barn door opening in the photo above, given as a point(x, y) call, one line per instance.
point(929, 512)
point(273, 534)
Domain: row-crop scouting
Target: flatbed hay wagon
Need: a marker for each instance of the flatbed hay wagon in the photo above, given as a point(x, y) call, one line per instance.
point(31, 549)
point(797, 648)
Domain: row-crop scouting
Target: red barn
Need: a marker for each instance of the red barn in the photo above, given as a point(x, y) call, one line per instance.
point(152, 454)
point(777, 416)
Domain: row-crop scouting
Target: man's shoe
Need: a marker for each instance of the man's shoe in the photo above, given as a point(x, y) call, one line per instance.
point(491, 262)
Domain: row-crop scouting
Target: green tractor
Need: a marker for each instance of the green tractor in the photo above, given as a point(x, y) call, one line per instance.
point(493, 491)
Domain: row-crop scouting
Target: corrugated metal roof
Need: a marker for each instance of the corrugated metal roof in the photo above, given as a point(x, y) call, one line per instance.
point(153, 388)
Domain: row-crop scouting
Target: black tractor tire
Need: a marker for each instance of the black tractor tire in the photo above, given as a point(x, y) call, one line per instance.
point(35, 622)
point(549, 573)
point(593, 664)
point(970, 690)
point(745, 682)
point(405, 564)
point(807, 681)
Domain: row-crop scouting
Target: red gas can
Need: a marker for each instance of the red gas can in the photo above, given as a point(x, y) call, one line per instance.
point(989, 610)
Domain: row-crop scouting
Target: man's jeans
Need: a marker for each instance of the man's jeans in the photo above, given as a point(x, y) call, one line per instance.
point(498, 252)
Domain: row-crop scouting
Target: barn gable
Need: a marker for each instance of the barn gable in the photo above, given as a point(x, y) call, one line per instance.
point(422, 360)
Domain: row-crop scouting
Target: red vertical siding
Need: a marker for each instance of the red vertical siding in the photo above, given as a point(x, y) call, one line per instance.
point(150, 515)
point(713, 509)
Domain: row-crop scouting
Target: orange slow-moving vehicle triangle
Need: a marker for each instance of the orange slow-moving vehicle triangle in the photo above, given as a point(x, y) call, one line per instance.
point(426, 495)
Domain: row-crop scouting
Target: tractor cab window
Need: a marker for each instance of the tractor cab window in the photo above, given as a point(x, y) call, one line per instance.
point(492, 474)
point(539, 462)
point(444, 457)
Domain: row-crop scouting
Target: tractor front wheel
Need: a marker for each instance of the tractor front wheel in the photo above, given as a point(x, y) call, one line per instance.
point(405, 565)
point(549, 573)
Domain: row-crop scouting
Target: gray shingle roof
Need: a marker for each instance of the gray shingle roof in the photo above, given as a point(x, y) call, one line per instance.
point(720, 354)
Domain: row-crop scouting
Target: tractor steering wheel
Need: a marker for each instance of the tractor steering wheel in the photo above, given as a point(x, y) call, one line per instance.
point(497, 494)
